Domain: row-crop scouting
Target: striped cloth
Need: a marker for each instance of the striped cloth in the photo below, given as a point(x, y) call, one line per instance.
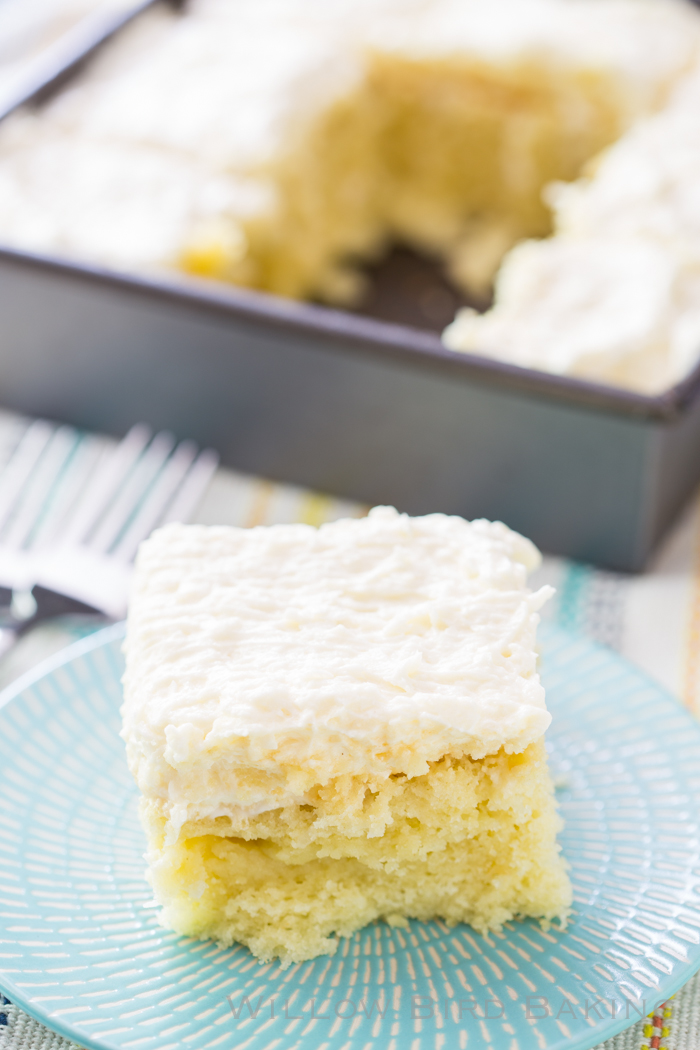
point(653, 619)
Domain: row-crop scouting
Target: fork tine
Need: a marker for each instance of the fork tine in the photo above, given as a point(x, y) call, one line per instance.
point(193, 487)
point(40, 486)
point(132, 492)
point(112, 468)
point(21, 465)
point(157, 500)
point(69, 493)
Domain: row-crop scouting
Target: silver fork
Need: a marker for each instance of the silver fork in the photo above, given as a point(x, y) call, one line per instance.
point(73, 510)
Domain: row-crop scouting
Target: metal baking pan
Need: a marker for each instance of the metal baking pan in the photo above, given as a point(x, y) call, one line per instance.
point(53, 65)
point(352, 405)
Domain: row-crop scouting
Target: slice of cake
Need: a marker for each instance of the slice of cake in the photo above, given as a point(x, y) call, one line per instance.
point(339, 725)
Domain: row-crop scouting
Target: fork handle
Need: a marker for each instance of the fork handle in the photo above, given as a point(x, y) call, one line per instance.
point(49, 604)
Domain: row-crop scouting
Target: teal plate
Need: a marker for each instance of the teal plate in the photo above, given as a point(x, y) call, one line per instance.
point(82, 951)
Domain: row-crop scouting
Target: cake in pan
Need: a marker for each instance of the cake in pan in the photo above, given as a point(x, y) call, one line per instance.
point(339, 725)
point(615, 294)
point(276, 143)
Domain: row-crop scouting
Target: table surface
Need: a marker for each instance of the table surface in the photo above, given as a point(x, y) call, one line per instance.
point(653, 619)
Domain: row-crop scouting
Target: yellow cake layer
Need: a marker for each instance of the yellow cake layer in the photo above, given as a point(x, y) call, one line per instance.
point(472, 840)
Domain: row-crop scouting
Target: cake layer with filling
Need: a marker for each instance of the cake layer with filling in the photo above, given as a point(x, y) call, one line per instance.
point(470, 840)
point(336, 725)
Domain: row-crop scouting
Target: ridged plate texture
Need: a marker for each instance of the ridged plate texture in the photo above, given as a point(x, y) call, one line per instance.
point(81, 948)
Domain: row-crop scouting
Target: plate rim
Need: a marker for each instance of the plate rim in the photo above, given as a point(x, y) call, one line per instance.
point(103, 636)
point(114, 632)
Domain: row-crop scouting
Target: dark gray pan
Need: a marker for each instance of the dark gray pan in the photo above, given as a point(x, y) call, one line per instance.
point(348, 404)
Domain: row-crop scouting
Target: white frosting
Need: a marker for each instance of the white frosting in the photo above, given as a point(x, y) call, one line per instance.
point(646, 185)
point(617, 309)
point(645, 43)
point(171, 129)
point(261, 662)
